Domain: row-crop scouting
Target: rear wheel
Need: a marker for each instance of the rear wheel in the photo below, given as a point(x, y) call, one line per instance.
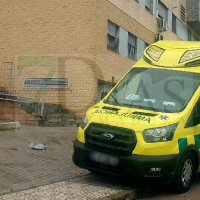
point(184, 174)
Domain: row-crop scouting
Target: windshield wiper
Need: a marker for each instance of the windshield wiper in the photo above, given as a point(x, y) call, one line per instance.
point(144, 107)
point(116, 100)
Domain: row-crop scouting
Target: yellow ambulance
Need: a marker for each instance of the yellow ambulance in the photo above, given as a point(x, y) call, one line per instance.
point(148, 126)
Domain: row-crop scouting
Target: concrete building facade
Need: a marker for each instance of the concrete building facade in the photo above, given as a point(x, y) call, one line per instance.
point(92, 43)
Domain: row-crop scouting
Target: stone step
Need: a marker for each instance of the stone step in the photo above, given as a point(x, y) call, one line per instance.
point(53, 116)
point(57, 120)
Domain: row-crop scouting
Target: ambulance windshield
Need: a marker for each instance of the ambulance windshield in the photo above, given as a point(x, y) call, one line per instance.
point(155, 89)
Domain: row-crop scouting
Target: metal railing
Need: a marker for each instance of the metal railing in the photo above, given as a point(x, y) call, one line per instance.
point(12, 88)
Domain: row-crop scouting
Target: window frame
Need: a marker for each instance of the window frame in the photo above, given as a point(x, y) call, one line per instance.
point(115, 37)
point(132, 49)
point(189, 35)
point(146, 45)
point(174, 29)
point(150, 9)
point(160, 4)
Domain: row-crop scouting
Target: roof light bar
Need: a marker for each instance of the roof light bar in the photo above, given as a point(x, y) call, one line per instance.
point(190, 55)
point(195, 63)
point(147, 60)
point(154, 52)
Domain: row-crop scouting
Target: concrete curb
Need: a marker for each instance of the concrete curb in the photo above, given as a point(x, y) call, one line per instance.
point(134, 194)
point(124, 195)
point(36, 185)
point(9, 126)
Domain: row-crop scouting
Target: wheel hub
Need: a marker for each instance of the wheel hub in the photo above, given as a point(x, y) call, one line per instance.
point(187, 172)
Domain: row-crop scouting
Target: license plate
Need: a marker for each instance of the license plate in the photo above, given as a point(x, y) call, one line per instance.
point(104, 158)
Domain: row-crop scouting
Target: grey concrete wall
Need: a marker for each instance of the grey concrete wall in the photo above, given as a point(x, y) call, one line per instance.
point(193, 10)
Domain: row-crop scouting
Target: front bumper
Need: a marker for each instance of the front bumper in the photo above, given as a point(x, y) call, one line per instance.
point(134, 166)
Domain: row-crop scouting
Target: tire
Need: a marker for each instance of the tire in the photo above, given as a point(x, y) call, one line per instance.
point(183, 177)
point(93, 171)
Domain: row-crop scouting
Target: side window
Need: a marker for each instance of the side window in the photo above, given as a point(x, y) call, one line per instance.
point(194, 118)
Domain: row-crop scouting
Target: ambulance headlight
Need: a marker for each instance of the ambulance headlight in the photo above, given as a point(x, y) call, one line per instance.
point(84, 122)
point(162, 134)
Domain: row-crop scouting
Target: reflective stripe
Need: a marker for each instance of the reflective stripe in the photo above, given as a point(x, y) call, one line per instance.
point(182, 143)
point(197, 140)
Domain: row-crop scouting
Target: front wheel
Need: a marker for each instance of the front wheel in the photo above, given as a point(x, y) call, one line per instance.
point(184, 174)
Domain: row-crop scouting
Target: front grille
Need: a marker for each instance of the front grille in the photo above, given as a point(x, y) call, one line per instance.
point(123, 142)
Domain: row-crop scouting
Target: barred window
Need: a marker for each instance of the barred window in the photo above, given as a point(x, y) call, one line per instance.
point(173, 23)
point(146, 45)
point(149, 5)
point(113, 36)
point(132, 46)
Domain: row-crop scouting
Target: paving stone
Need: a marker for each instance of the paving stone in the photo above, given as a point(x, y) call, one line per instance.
point(25, 168)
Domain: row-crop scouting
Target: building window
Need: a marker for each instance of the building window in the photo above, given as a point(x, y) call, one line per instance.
point(189, 35)
point(113, 36)
point(195, 38)
point(146, 45)
point(149, 5)
point(162, 11)
point(132, 46)
point(173, 23)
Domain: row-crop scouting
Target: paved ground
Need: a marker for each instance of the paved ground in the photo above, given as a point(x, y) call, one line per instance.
point(88, 187)
point(25, 168)
point(27, 174)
